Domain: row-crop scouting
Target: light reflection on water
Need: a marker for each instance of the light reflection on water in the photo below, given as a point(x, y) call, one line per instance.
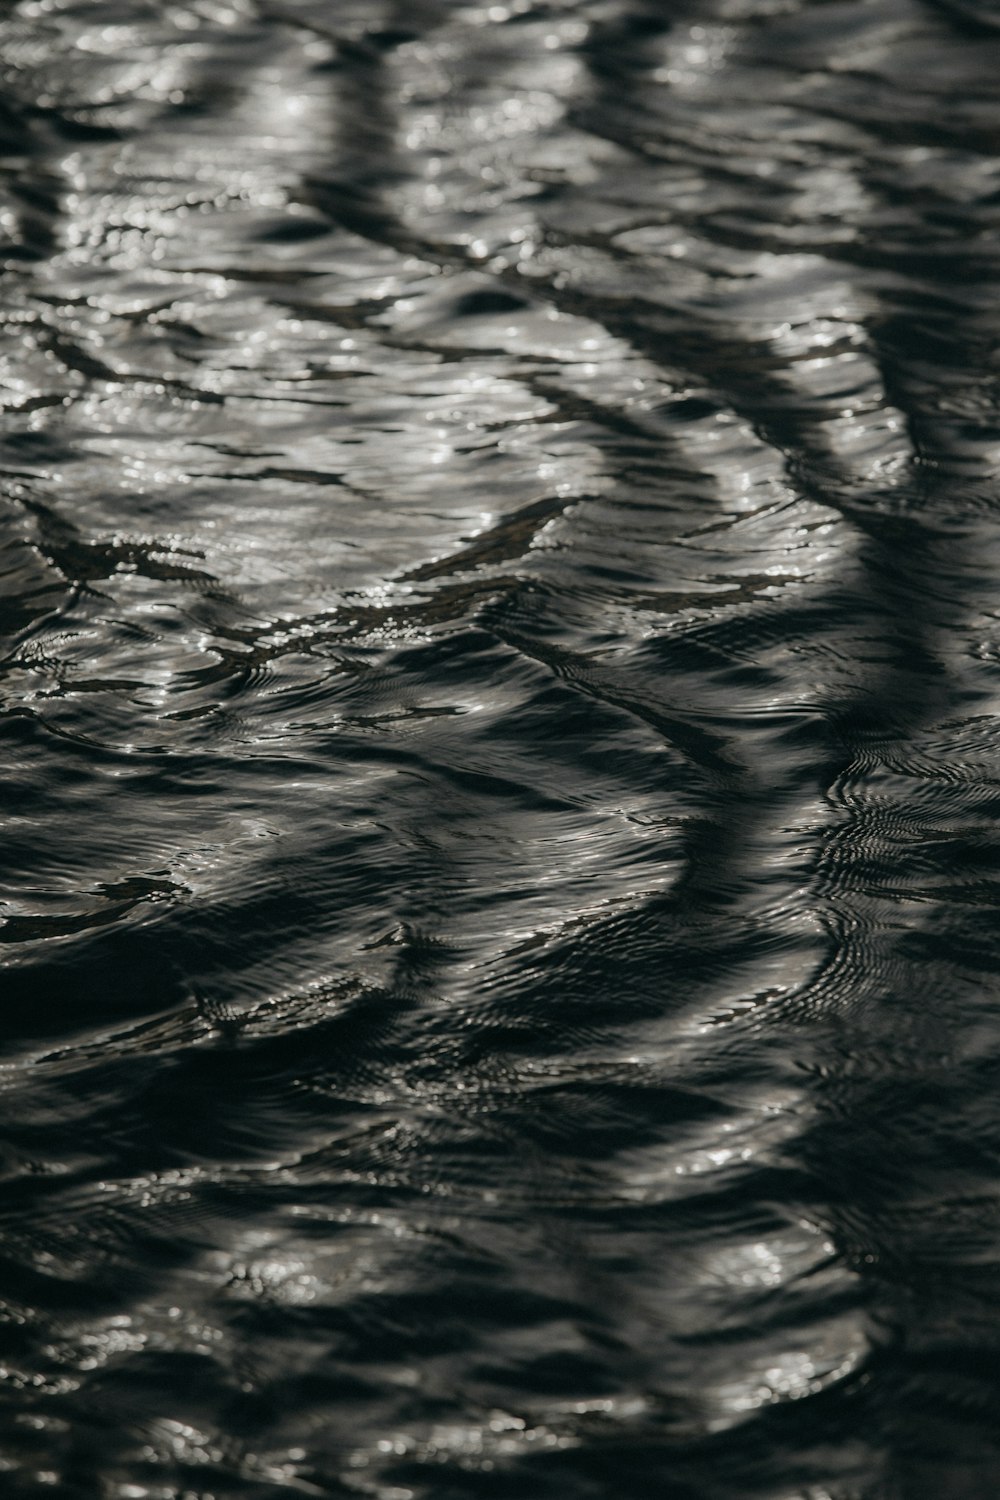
point(498, 714)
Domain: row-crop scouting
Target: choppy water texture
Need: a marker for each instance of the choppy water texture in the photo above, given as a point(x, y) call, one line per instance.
point(500, 749)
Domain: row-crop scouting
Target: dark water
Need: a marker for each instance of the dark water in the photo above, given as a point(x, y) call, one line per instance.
point(500, 749)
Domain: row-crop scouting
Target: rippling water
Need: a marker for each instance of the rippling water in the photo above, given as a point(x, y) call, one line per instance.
point(500, 749)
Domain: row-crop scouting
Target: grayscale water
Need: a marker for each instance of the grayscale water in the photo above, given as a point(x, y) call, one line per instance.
point(500, 749)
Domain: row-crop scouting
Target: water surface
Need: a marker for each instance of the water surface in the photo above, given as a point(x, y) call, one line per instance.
point(500, 749)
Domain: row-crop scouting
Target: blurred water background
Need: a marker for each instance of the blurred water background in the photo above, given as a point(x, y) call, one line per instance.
point(499, 749)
